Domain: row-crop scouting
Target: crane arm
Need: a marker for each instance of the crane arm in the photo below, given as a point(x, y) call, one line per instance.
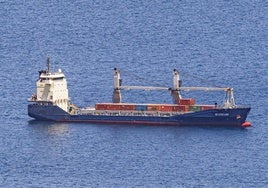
point(180, 88)
point(143, 88)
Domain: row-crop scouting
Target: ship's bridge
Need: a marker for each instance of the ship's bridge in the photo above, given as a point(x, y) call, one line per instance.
point(52, 76)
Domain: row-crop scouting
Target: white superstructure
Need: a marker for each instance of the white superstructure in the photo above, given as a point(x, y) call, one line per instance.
point(52, 88)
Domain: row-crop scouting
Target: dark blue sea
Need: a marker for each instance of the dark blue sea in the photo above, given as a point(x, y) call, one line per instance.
point(211, 43)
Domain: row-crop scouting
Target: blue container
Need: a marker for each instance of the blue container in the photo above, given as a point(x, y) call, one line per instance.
point(140, 107)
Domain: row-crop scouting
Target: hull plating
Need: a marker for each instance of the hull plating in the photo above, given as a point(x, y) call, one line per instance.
point(214, 117)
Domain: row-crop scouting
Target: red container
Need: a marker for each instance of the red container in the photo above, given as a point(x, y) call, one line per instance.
point(207, 107)
point(153, 107)
point(114, 106)
point(181, 108)
point(166, 108)
point(129, 107)
point(186, 101)
point(101, 106)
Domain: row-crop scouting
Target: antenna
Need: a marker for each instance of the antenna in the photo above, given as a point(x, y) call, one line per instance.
point(48, 64)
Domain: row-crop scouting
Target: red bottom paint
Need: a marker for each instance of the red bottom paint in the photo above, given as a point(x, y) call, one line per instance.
point(246, 124)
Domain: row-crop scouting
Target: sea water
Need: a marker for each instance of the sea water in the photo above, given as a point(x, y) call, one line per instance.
point(211, 43)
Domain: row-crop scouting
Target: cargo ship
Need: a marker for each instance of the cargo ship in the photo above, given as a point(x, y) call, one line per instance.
point(52, 103)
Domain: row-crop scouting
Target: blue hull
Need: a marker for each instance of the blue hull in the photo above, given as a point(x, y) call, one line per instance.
point(214, 117)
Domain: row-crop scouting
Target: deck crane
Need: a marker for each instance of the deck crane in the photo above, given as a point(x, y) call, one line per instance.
point(175, 91)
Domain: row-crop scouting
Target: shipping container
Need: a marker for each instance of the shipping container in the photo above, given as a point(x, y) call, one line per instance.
point(181, 108)
point(115, 106)
point(129, 107)
point(101, 106)
point(108, 106)
point(140, 107)
point(166, 108)
point(185, 101)
point(207, 107)
point(153, 107)
point(194, 108)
